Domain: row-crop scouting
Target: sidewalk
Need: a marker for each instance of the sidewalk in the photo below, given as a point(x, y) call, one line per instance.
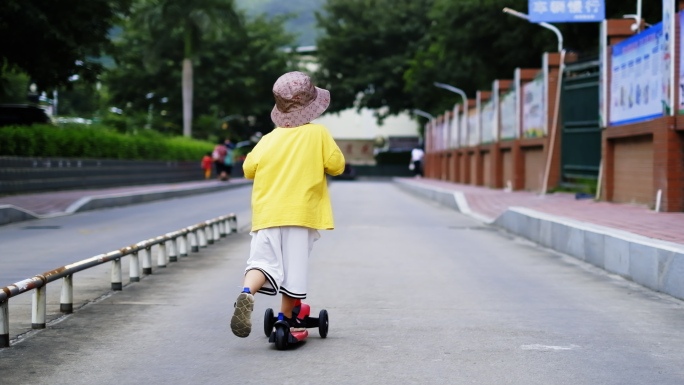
point(491, 203)
point(632, 241)
point(16, 208)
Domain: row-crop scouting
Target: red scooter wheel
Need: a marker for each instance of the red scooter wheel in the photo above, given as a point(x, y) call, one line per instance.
point(282, 336)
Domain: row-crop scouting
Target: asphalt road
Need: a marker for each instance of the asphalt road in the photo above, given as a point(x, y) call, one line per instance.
point(416, 293)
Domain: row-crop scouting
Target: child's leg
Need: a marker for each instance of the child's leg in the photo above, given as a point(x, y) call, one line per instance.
point(207, 173)
point(286, 306)
point(254, 280)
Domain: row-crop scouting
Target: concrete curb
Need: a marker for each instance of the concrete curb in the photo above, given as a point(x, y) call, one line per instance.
point(11, 214)
point(653, 263)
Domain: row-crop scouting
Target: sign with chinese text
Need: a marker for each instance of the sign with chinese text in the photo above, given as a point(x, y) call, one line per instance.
point(473, 137)
point(681, 64)
point(567, 11)
point(534, 108)
point(509, 116)
point(636, 80)
point(487, 122)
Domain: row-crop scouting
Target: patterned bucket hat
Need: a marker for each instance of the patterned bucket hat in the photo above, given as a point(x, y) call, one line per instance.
point(298, 102)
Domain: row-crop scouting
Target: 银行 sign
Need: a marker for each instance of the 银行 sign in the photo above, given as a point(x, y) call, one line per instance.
point(567, 11)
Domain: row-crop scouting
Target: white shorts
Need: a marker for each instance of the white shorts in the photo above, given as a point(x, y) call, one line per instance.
point(282, 254)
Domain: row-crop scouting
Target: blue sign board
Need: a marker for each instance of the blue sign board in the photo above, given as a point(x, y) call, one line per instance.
point(567, 11)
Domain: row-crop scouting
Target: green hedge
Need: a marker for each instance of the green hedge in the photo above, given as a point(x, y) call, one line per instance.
point(100, 143)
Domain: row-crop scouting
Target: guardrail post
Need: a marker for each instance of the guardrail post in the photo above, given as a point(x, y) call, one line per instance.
point(183, 245)
point(146, 260)
point(233, 225)
point(4, 325)
point(194, 240)
point(66, 300)
point(134, 268)
point(116, 275)
point(217, 232)
point(209, 234)
point(222, 228)
point(173, 255)
point(161, 255)
point(202, 237)
point(38, 308)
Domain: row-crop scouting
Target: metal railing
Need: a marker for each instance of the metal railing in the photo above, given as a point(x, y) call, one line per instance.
point(170, 246)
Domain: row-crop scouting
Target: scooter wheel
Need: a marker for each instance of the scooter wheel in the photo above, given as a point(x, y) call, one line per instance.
point(281, 337)
point(323, 323)
point(269, 320)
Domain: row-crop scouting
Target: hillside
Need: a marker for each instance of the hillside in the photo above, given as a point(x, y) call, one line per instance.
point(303, 23)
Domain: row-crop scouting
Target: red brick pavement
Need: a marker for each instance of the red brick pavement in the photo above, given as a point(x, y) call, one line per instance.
point(57, 202)
point(635, 219)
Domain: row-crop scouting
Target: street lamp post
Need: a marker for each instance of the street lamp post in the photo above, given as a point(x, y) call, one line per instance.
point(423, 114)
point(543, 24)
point(454, 89)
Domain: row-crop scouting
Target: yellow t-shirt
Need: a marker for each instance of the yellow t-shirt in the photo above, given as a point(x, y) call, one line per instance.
point(288, 167)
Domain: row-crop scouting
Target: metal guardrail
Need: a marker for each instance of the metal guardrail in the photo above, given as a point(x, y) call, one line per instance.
point(171, 245)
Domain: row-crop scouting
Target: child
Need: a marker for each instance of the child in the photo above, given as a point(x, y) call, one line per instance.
point(290, 199)
point(207, 161)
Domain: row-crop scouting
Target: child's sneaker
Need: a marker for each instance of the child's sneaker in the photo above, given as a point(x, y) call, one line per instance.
point(296, 324)
point(241, 323)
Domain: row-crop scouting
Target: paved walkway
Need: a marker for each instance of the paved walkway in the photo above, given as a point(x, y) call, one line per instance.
point(635, 219)
point(57, 202)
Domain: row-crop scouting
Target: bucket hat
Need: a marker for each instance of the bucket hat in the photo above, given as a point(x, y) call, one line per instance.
point(298, 101)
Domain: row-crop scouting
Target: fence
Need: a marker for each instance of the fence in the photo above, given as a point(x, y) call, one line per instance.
point(170, 247)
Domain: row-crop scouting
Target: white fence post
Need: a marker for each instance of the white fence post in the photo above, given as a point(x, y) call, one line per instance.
point(116, 275)
point(202, 237)
point(4, 325)
point(233, 225)
point(217, 232)
point(173, 256)
point(209, 232)
point(222, 228)
point(134, 267)
point(38, 307)
point(146, 260)
point(194, 241)
point(66, 299)
point(183, 245)
point(161, 255)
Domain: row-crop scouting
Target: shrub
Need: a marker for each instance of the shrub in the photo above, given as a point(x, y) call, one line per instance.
point(97, 142)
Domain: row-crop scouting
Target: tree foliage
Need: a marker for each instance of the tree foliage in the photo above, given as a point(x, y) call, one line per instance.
point(391, 52)
point(53, 40)
point(234, 75)
point(366, 49)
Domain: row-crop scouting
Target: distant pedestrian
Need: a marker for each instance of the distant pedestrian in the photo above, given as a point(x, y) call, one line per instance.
point(416, 164)
point(207, 161)
point(290, 200)
point(219, 156)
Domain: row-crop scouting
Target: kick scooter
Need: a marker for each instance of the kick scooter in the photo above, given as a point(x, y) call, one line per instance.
point(278, 330)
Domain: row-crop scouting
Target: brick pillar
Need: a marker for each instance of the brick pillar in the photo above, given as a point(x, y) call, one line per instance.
point(518, 166)
point(608, 150)
point(497, 166)
point(668, 166)
point(478, 179)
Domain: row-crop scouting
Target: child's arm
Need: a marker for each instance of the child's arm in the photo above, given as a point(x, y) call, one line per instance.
point(334, 164)
point(252, 160)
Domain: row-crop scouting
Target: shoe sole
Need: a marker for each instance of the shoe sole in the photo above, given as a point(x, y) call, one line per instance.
point(241, 323)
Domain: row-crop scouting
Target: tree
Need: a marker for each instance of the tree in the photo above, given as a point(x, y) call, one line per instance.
point(51, 41)
point(233, 76)
point(195, 21)
point(366, 49)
